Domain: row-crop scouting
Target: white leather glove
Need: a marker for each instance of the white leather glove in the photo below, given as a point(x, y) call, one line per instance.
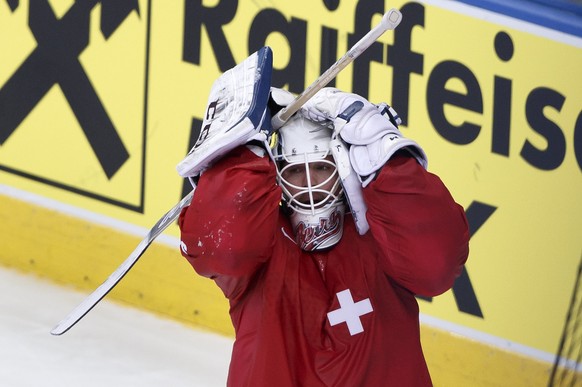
point(369, 130)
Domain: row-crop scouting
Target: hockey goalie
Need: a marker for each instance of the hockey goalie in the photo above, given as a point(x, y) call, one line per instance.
point(320, 234)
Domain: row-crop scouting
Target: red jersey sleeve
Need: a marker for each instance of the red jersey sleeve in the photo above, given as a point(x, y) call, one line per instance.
point(422, 232)
point(227, 232)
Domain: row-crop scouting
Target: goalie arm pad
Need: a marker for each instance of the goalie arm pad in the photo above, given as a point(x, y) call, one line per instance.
point(370, 131)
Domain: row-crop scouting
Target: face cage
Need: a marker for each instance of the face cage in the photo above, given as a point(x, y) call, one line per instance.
point(330, 198)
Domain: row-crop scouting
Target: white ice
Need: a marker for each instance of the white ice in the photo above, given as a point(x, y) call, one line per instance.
point(112, 346)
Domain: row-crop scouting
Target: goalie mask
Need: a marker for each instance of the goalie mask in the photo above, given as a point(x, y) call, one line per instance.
point(308, 176)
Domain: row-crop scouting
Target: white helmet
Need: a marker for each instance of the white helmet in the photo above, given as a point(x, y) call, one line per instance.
point(310, 182)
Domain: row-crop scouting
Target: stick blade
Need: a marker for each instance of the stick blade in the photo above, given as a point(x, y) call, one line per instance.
point(98, 294)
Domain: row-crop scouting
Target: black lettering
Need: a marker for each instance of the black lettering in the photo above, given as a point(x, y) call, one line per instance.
point(203, 135)
point(13, 4)
point(211, 110)
point(331, 4)
point(404, 62)
point(465, 296)
point(502, 91)
point(365, 10)
point(501, 116)
point(328, 43)
point(269, 21)
point(197, 15)
point(438, 96)
point(504, 46)
point(463, 291)
point(210, 113)
point(578, 140)
point(328, 51)
point(553, 155)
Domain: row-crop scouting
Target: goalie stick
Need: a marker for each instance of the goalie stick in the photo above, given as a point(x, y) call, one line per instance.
point(390, 21)
point(88, 303)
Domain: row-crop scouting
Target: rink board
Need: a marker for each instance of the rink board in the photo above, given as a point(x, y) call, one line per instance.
point(47, 239)
point(91, 150)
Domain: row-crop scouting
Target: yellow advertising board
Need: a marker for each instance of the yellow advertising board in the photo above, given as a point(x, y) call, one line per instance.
point(99, 100)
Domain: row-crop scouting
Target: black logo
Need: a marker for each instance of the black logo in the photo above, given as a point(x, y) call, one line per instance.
point(55, 61)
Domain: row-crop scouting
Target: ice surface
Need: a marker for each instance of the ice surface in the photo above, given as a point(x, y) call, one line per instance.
point(112, 346)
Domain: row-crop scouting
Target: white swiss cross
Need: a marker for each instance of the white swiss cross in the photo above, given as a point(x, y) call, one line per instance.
point(350, 312)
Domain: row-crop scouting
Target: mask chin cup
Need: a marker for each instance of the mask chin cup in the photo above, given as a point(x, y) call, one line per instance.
point(319, 230)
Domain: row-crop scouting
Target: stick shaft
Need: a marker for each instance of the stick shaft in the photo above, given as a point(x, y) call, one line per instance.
point(98, 294)
point(390, 21)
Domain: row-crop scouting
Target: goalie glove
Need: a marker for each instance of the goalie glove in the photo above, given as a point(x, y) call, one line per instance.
point(236, 113)
point(370, 131)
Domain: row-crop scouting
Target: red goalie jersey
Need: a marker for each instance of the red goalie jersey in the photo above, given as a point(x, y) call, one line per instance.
point(346, 316)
